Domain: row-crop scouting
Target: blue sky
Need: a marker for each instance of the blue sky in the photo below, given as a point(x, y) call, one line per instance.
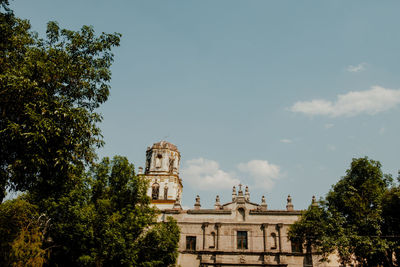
point(279, 95)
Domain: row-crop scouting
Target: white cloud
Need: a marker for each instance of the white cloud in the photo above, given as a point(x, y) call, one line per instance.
point(262, 172)
point(329, 125)
point(382, 130)
point(287, 141)
point(206, 174)
point(358, 68)
point(371, 102)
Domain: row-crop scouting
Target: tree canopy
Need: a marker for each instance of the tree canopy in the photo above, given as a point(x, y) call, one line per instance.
point(21, 234)
point(357, 219)
point(49, 89)
point(72, 211)
point(109, 222)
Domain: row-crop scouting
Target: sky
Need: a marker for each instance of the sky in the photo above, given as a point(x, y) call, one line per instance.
point(276, 95)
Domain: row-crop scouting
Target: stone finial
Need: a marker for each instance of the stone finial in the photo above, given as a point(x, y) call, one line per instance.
point(197, 204)
point(177, 204)
point(247, 194)
point(289, 206)
point(314, 202)
point(234, 193)
point(217, 203)
point(263, 203)
point(240, 192)
point(140, 170)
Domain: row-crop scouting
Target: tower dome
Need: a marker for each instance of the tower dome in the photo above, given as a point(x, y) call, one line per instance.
point(162, 171)
point(164, 145)
point(162, 158)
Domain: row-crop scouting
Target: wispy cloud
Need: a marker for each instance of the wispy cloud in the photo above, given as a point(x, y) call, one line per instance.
point(329, 125)
point(263, 173)
point(331, 147)
point(287, 141)
point(382, 130)
point(205, 174)
point(358, 68)
point(373, 101)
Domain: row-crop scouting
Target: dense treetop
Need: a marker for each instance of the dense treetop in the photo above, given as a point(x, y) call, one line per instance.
point(49, 89)
point(72, 210)
point(358, 219)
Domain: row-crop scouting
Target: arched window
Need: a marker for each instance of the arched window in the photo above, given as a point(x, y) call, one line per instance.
point(212, 240)
point(241, 214)
point(166, 192)
point(159, 161)
point(155, 191)
point(275, 244)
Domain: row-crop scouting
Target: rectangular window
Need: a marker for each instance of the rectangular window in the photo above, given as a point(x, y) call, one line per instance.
point(190, 243)
point(241, 239)
point(297, 247)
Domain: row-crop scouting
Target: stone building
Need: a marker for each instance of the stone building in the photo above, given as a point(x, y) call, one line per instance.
point(162, 170)
point(238, 233)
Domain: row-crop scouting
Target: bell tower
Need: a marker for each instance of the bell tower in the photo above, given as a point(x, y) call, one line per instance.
point(162, 172)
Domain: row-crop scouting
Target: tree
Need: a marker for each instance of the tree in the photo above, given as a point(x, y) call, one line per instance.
point(99, 212)
point(313, 230)
point(109, 222)
point(350, 220)
point(49, 89)
point(164, 237)
point(391, 224)
point(21, 234)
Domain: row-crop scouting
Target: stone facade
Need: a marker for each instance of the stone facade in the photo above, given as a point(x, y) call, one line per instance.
point(238, 233)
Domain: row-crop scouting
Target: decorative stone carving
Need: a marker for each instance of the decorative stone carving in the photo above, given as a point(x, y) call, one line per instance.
point(263, 204)
point(217, 204)
point(234, 193)
point(197, 203)
point(247, 194)
point(240, 192)
point(155, 191)
point(289, 206)
point(177, 204)
point(165, 192)
point(314, 202)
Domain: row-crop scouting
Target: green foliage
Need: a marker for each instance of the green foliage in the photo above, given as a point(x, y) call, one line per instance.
point(21, 234)
point(109, 222)
point(355, 217)
point(163, 237)
point(391, 223)
point(27, 248)
point(48, 91)
point(312, 229)
point(357, 199)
